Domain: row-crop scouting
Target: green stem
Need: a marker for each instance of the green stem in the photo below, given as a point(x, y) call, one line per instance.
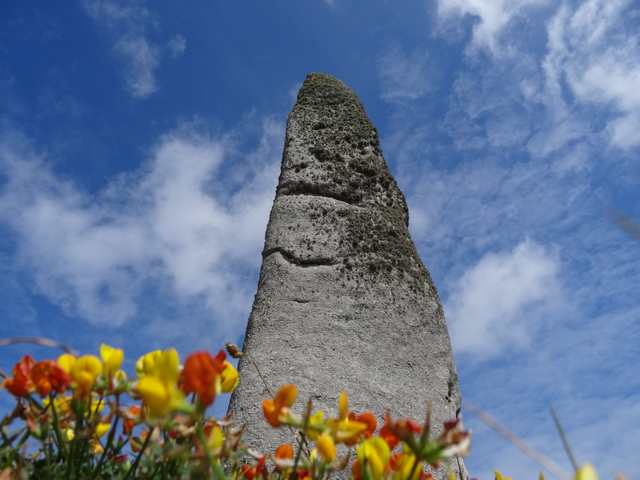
point(413, 468)
point(423, 440)
point(218, 472)
point(62, 450)
point(24, 438)
point(11, 437)
point(301, 440)
point(134, 467)
point(112, 433)
point(203, 442)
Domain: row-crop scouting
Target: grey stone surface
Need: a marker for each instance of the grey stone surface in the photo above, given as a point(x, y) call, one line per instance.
point(343, 300)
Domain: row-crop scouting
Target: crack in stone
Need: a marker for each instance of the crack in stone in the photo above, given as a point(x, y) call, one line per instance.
point(299, 262)
point(300, 300)
point(311, 190)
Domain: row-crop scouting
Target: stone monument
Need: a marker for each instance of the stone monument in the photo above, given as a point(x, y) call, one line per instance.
point(343, 300)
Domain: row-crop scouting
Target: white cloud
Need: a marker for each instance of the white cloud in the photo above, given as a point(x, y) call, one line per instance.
point(128, 25)
point(493, 17)
point(178, 223)
point(494, 303)
point(403, 77)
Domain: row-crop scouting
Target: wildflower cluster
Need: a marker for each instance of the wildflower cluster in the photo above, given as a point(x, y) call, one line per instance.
point(400, 449)
point(84, 417)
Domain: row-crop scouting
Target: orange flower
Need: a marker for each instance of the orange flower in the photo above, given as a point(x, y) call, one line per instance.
point(21, 385)
point(47, 375)
point(284, 452)
point(368, 418)
point(387, 433)
point(131, 418)
point(202, 375)
point(284, 457)
point(274, 409)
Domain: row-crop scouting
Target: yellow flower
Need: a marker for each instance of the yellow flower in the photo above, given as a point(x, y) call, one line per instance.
point(120, 380)
point(96, 448)
point(346, 431)
point(586, 472)
point(66, 361)
point(156, 395)
point(326, 447)
point(84, 372)
point(375, 452)
point(404, 465)
point(61, 403)
point(215, 441)
point(500, 476)
point(96, 405)
point(162, 364)
point(69, 434)
point(316, 425)
point(146, 363)
point(111, 359)
point(158, 383)
point(102, 428)
point(343, 405)
point(230, 378)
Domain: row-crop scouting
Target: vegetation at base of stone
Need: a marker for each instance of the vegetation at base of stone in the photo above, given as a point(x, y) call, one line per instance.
point(84, 417)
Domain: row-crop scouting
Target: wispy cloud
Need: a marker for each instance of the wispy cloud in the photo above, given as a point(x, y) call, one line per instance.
point(403, 76)
point(491, 17)
point(177, 45)
point(141, 59)
point(589, 65)
point(593, 51)
point(508, 197)
point(129, 25)
point(166, 225)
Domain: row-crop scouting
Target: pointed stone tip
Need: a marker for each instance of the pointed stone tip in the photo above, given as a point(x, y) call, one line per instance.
point(321, 77)
point(324, 88)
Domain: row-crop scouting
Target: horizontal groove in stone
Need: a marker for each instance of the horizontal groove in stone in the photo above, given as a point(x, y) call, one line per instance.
point(303, 188)
point(299, 262)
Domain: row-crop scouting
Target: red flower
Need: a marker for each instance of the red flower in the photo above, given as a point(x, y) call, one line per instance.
point(394, 431)
point(47, 375)
point(368, 419)
point(394, 461)
point(356, 470)
point(201, 375)
point(21, 385)
point(303, 474)
point(259, 469)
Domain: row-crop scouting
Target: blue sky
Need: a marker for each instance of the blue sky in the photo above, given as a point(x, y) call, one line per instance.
point(139, 151)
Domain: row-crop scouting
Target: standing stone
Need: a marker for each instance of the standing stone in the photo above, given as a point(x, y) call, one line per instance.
point(343, 300)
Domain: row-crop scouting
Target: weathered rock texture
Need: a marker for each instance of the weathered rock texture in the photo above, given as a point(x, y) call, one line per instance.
point(343, 301)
